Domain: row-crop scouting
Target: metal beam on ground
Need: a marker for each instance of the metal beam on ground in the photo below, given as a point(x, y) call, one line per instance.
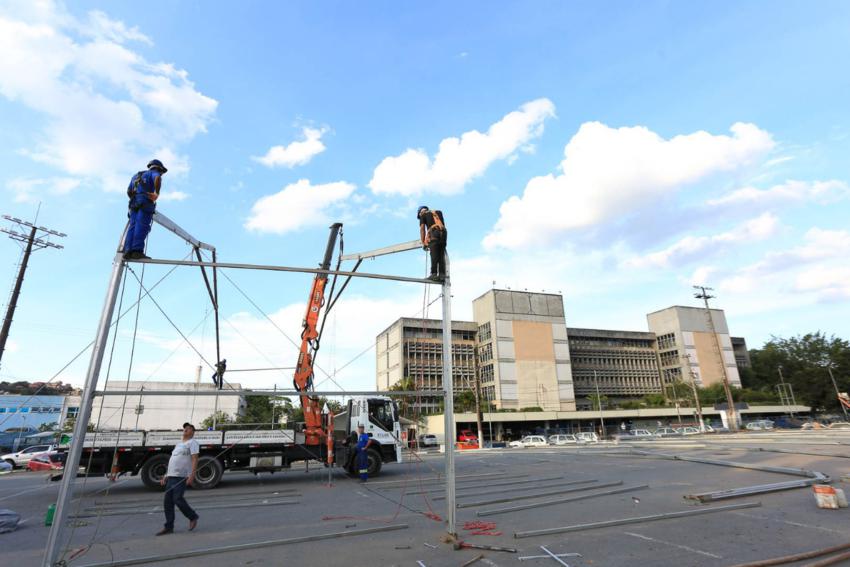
point(482, 513)
point(636, 520)
point(538, 495)
point(272, 268)
point(403, 247)
point(500, 490)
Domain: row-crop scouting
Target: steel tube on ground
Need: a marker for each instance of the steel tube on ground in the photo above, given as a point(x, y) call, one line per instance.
point(243, 547)
point(427, 490)
point(148, 510)
point(502, 490)
point(840, 558)
point(493, 512)
point(539, 495)
point(795, 557)
point(636, 520)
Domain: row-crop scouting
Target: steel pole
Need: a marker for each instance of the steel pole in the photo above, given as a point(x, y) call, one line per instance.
point(835, 385)
point(16, 292)
point(53, 547)
point(599, 402)
point(448, 389)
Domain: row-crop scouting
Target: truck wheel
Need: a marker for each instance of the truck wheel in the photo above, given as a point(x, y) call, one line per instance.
point(153, 471)
point(209, 473)
point(375, 462)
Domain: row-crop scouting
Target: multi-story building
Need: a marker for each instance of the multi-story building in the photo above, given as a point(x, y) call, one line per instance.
point(742, 355)
point(690, 345)
point(523, 350)
point(413, 348)
point(622, 364)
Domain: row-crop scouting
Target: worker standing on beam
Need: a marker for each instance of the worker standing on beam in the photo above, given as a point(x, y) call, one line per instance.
point(182, 467)
point(433, 234)
point(362, 448)
point(143, 192)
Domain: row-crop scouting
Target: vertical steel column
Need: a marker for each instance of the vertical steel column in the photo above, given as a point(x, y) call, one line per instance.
point(53, 547)
point(449, 392)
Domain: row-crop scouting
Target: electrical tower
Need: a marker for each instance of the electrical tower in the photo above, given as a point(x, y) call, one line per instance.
point(37, 238)
point(718, 351)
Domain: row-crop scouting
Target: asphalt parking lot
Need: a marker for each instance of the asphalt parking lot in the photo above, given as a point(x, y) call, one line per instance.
point(115, 522)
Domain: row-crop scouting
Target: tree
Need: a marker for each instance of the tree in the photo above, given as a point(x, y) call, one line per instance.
point(258, 410)
point(597, 402)
point(52, 426)
point(405, 403)
point(217, 419)
point(804, 361)
point(70, 422)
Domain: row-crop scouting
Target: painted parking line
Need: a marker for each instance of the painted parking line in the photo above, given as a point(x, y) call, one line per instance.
point(676, 545)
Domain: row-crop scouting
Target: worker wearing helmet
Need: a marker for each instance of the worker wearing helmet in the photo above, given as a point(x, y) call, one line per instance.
point(433, 234)
point(362, 449)
point(143, 192)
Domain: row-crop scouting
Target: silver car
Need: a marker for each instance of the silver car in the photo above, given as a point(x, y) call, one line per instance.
point(562, 439)
point(22, 457)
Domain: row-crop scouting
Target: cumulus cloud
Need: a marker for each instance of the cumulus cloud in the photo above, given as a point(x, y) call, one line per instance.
point(611, 172)
point(692, 248)
point(296, 153)
point(296, 206)
point(105, 108)
point(29, 190)
point(460, 160)
point(791, 191)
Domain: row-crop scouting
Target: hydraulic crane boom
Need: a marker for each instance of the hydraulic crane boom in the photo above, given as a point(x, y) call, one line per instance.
point(315, 432)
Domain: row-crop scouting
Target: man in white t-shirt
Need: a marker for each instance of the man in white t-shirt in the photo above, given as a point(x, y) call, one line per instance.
point(181, 472)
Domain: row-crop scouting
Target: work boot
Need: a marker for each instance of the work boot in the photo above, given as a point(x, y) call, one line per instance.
point(164, 531)
point(193, 524)
point(434, 278)
point(142, 256)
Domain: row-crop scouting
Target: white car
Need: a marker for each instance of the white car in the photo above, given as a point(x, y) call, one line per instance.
point(22, 457)
point(687, 430)
point(666, 432)
point(428, 440)
point(760, 425)
point(530, 441)
point(635, 434)
point(587, 437)
point(562, 439)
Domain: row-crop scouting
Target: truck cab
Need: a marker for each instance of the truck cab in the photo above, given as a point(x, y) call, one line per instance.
point(380, 420)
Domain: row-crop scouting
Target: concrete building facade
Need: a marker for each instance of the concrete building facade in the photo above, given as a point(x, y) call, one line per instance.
point(623, 364)
point(413, 348)
point(742, 355)
point(692, 346)
point(523, 350)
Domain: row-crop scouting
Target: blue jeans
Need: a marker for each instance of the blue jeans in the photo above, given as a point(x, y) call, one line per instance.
point(174, 489)
point(140, 225)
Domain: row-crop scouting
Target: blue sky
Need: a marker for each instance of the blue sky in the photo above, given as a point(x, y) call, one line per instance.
point(702, 146)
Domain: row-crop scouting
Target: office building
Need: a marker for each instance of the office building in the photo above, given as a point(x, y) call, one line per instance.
point(742, 355)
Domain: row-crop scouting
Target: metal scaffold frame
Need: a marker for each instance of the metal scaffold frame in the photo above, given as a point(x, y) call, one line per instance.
point(53, 546)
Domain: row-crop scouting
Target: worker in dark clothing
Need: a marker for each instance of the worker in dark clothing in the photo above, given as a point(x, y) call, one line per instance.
point(143, 192)
point(220, 369)
point(362, 449)
point(433, 234)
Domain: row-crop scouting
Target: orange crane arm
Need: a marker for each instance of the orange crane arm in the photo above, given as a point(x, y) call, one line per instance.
point(303, 381)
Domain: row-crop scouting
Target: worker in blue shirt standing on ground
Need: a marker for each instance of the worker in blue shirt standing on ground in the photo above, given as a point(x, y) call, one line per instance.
point(362, 448)
point(143, 192)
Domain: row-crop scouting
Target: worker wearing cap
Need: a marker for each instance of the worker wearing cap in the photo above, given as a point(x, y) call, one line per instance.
point(181, 472)
point(143, 192)
point(433, 234)
point(362, 449)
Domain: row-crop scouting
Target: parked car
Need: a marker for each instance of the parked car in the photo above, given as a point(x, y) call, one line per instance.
point(666, 432)
point(530, 441)
point(562, 439)
point(760, 425)
point(51, 461)
point(689, 430)
point(467, 436)
point(22, 457)
point(428, 440)
point(587, 437)
point(5, 467)
point(635, 434)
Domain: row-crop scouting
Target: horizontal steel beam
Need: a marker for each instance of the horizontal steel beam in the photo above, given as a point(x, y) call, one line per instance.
point(477, 503)
point(269, 268)
point(556, 501)
point(169, 224)
point(436, 393)
point(403, 247)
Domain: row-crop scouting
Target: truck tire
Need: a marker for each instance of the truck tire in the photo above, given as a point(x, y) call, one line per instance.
point(375, 462)
point(209, 473)
point(154, 470)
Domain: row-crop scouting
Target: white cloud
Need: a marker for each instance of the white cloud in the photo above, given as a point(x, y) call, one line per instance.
point(105, 107)
point(611, 172)
point(173, 196)
point(31, 190)
point(692, 248)
point(789, 192)
point(296, 206)
point(460, 160)
point(296, 153)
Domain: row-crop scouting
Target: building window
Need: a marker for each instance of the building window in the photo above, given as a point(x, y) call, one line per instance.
point(667, 341)
point(485, 353)
point(484, 333)
point(72, 412)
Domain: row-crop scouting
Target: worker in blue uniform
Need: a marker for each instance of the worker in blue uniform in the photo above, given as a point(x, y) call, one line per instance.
point(433, 235)
point(143, 192)
point(362, 449)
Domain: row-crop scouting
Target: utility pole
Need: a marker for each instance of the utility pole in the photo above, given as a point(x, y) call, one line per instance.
point(37, 239)
point(599, 403)
point(835, 385)
point(730, 411)
point(698, 406)
point(786, 393)
point(479, 417)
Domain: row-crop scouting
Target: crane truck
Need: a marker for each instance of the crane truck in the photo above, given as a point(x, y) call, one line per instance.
point(324, 436)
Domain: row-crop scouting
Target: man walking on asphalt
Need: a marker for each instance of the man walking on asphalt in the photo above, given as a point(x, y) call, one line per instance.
point(181, 471)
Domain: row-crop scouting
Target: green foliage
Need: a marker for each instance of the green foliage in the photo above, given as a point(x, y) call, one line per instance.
point(531, 408)
point(220, 419)
point(597, 402)
point(48, 426)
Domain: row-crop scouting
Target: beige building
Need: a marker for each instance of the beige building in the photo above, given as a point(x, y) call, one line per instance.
point(413, 348)
point(687, 333)
point(523, 350)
